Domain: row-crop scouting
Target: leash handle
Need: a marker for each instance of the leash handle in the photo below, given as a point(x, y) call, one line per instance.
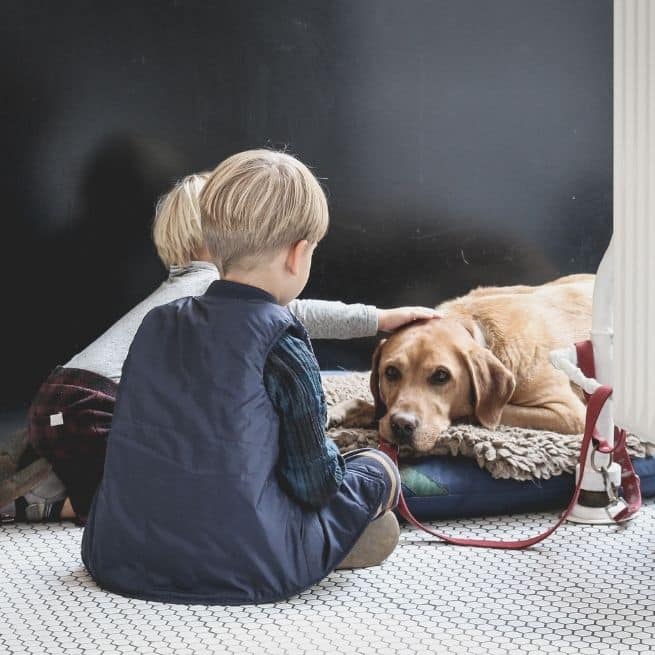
point(596, 402)
point(630, 481)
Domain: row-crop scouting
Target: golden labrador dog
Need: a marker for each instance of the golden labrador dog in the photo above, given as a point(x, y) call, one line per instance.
point(486, 359)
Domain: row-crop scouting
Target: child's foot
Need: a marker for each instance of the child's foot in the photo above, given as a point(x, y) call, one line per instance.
point(375, 544)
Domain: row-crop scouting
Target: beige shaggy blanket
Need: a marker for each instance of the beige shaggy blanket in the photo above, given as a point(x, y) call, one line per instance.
point(517, 453)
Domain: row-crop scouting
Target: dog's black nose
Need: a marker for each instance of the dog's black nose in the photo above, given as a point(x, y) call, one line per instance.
point(403, 426)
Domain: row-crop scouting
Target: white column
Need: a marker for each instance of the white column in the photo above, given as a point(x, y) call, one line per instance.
point(634, 216)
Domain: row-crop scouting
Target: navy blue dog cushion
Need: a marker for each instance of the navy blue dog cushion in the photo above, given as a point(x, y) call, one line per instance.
point(440, 487)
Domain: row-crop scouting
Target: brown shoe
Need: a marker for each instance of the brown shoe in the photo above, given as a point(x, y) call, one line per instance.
point(375, 544)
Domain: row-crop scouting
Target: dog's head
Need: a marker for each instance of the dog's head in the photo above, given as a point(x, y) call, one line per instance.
point(430, 373)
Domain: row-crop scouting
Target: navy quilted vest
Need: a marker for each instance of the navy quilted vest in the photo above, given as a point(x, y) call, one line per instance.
point(189, 509)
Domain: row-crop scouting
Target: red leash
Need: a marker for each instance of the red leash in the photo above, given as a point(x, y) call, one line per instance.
point(630, 481)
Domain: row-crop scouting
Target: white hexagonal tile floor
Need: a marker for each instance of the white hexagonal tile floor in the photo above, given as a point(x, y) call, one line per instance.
point(587, 589)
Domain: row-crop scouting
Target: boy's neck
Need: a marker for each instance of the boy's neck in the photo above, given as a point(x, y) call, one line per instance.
point(259, 279)
point(282, 274)
point(254, 278)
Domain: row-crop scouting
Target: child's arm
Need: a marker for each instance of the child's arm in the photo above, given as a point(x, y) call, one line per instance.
point(327, 319)
point(310, 465)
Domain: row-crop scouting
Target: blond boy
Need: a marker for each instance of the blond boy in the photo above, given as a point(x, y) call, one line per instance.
point(220, 485)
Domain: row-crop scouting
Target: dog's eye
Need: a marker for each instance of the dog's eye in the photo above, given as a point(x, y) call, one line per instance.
point(391, 373)
point(440, 376)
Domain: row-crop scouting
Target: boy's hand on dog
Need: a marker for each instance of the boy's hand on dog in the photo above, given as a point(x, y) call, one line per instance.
point(391, 319)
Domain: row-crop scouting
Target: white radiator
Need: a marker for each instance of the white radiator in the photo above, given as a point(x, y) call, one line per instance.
point(634, 216)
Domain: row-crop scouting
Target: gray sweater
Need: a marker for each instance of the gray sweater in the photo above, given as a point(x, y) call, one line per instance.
point(323, 319)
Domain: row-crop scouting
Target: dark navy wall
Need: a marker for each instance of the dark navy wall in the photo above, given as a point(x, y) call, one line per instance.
point(462, 143)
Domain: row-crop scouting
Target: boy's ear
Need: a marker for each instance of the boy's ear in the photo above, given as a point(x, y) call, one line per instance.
point(295, 254)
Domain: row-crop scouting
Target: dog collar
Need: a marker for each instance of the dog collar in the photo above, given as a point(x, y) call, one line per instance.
point(478, 334)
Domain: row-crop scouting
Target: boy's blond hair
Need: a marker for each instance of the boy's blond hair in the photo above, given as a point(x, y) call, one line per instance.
point(256, 202)
point(176, 230)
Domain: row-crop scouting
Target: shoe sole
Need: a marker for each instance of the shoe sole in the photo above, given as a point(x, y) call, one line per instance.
point(375, 544)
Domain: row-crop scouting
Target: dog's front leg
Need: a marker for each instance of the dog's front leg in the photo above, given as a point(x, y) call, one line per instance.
point(356, 413)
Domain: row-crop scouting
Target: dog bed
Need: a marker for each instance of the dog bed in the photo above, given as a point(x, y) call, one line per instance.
point(473, 471)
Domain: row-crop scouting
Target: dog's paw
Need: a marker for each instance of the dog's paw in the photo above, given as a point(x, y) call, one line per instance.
point(355, 413)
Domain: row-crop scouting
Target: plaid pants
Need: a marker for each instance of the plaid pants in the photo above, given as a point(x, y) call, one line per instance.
point(68, 424)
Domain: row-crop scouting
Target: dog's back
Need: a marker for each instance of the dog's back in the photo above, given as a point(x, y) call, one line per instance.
point(522, 324)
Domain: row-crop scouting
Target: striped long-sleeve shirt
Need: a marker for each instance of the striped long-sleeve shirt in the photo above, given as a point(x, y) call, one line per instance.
point(310, 466)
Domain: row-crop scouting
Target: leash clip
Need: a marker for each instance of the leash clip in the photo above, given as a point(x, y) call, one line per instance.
point(616, 507)
point(616, 504)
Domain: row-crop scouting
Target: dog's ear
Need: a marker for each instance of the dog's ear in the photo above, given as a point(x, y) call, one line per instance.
point(380, 407)
point(493, 385)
